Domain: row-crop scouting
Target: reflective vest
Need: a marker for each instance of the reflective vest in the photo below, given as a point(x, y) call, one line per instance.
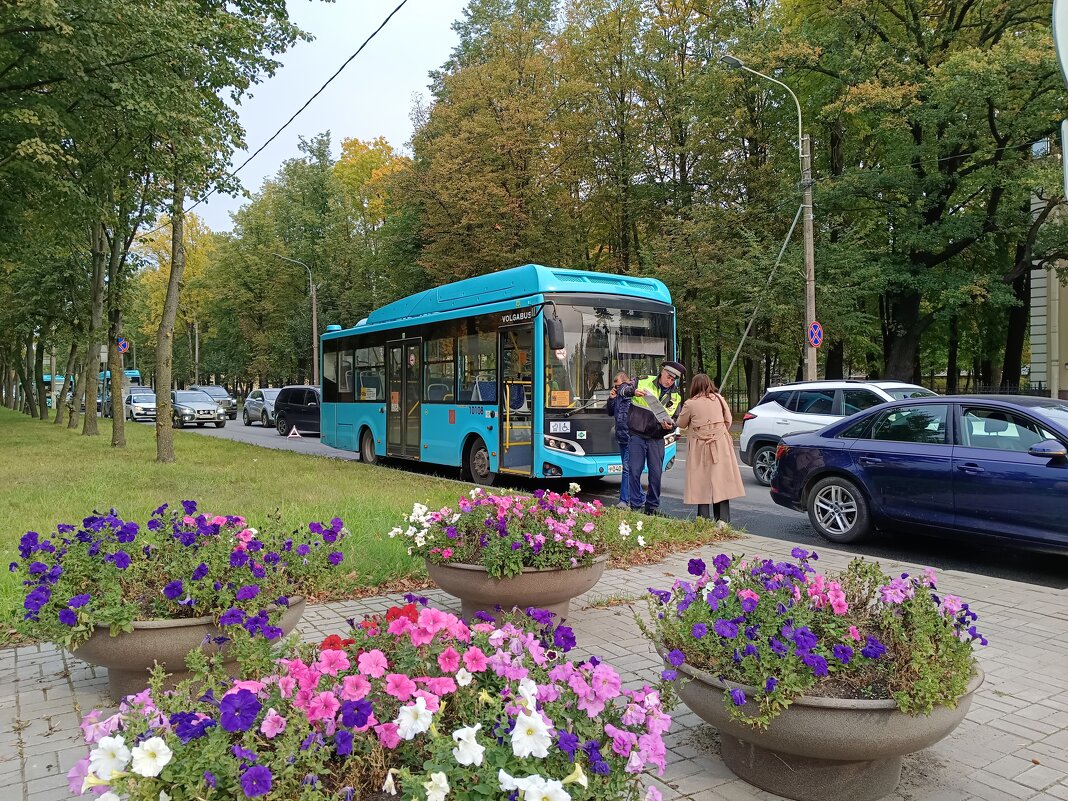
point(641, 419)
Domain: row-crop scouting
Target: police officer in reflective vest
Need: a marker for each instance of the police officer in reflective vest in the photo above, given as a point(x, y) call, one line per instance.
point(647, 433)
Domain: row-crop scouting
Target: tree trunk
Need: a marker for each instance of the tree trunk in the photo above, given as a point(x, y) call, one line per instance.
point(953, 369)
point(165, 334)
point(1019, 315)
point(115, 360)
point(76, 395)
point(687, 353)
point(38, 375)
point(752, 383)
point(24, 367)
point(90, 378)
point(903, 330)
point(61, 399)
point(835, 366)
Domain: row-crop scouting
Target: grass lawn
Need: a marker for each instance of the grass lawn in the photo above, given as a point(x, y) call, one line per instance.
point(49, 475)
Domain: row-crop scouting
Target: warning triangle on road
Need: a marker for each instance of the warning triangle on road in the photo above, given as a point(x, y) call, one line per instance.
point(294, 434)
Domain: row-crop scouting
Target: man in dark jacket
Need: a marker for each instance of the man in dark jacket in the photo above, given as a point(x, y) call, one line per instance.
point(620, 409)
point(647, 432)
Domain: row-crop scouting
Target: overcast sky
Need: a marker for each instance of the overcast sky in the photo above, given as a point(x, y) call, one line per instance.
point(371, 97)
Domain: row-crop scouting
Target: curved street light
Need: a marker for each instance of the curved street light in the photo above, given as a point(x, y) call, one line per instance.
point(804, 149)
point(315, 317)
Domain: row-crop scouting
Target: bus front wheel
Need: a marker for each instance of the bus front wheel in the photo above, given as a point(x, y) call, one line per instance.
point(477, 464)
point(367, 448)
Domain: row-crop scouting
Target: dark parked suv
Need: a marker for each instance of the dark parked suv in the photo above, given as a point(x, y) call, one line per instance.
point(297, 406)
point(226, 401)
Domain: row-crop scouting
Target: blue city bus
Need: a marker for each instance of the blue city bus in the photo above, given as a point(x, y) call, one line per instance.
point(478, 374)
point(130, 378)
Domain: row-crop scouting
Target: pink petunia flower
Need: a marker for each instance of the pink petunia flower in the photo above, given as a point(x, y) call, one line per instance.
point(400, 686)
point(474, 660)
point(273, 724)
point(854, 633)
point(331, 662)
point(322, 706)
point(286, 685)
point(387, 735)
point(355, 687)
point(440, 685)
point(449, 660)
point(433, 703)
point(245, 684)
point(373, 664)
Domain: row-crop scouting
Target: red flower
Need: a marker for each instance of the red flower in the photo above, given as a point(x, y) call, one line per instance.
point(409, 611)
point(335, 643)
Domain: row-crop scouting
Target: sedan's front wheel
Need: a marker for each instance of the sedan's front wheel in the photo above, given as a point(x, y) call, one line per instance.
point(764, 464)
point(280, 424)
point(838, 510)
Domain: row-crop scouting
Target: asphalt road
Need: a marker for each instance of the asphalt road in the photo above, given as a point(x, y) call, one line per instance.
point(756, 512)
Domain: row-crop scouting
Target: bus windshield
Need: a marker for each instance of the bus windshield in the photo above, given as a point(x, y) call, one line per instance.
point(600, 342)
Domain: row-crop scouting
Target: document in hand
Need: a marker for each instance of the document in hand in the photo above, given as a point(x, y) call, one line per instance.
point(657, 408)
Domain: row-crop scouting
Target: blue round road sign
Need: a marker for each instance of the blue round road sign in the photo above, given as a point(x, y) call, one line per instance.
point(123, 345)
point(815, 334)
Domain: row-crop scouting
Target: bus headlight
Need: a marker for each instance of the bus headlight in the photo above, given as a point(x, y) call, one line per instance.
point(564, 445)
point(672, 438)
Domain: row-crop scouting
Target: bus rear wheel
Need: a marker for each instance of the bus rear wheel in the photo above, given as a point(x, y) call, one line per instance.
point(367, 448)
point(477, 464)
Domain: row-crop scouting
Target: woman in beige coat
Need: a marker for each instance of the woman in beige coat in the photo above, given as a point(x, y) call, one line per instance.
point(712, 475)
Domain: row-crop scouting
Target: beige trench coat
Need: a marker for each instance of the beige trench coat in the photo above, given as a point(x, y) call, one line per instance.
point(712, 473)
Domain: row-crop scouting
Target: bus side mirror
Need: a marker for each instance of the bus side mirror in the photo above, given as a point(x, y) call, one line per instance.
point(554, 330)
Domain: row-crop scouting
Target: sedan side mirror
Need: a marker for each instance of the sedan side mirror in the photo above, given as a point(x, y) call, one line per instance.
point(1048, 449)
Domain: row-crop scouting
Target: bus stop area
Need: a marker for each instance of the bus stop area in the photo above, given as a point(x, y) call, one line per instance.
point(1013, 744)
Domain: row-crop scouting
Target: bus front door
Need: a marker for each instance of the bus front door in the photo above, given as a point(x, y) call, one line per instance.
point(404, 404)
point(516, 398)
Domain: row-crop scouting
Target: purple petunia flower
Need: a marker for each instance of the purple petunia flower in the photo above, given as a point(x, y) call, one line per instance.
point(243, 753)
point(799, 553)
point(669, 675)
point(564, 638)
point(699, 630)
point(343, 742)
point(725, 628)
point(843, 653)
point(190, 507)
point(738, 696)
point(315, 528)
point(335, 558)
point(873, 649)
point(68, 617)
point(238, 711)
point(676, 657)
point(238, 559)
point(355, 714)
point(804, 639)
point(771, 684)
point(209, 779)
point(248, 592)
point(256, 781)
point(568, 743)
point(722, 563)
point(200, 572)
point(696, 567)
point(303, 550)
point(120, 559)
point(173, 590)
point(663, 596)
point(816, 662)
point(79, 601)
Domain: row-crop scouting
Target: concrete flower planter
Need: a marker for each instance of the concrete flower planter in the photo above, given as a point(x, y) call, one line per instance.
point(129, 657)
point(541, 589)
point(821, 749)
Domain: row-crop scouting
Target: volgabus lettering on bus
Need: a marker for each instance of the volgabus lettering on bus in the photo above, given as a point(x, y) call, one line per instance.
point(518, 317)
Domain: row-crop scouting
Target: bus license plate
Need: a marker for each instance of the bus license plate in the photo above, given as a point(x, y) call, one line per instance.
point(615, 468)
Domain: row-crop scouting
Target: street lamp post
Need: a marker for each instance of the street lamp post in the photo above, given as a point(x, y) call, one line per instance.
point(315, 317)
point(804, 150)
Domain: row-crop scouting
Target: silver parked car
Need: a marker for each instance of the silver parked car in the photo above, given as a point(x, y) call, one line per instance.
point(259, 405)
point(222, 396)
point(191, 406)
point(140, 404)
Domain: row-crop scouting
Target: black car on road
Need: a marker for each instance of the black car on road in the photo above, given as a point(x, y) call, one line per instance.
point(297, 406)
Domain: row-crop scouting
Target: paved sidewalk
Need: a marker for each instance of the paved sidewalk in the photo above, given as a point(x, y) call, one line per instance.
point(1013, 744)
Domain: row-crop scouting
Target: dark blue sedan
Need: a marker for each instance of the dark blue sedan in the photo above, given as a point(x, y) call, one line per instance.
point(993, 466)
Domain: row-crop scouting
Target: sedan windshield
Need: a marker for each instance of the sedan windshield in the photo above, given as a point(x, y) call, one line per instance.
point(193, 396)
point(600, 342)
point(143, 399)
point(216, 392)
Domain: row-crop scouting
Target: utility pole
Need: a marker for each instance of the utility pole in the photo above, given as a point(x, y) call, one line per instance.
point(314, 320)
point(810, 256)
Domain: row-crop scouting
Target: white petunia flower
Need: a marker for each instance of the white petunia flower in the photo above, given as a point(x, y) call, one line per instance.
point(389, 787)
point(528, 691)
point(641, 541)
point(574, 488)
point(577, 776)
point(110, 756)
point(538, 788)
point(151, 757)
point(108, 796)
point(624, 530)
point(467, 750)
point(640, 525)
point(413, 719)
point(163, 796)
point(530, 737)
point(437, 787)
point(463, 677)
point(507, 782)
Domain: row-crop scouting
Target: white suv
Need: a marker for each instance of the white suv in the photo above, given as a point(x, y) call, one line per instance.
point(807, 406)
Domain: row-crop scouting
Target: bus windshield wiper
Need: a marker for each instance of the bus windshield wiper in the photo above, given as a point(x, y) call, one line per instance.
point(586, 405)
